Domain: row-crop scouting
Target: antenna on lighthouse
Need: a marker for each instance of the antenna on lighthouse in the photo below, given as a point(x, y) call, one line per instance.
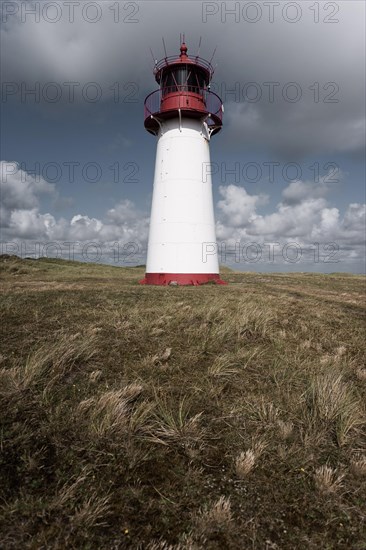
point(153, 56)
point(199, 48)
point(166, 55)
point(213, 55)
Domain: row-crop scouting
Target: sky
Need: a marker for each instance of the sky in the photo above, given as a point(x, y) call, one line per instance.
point(288, 167)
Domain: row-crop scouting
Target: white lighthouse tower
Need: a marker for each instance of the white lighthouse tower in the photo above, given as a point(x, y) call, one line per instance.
point(184, 115)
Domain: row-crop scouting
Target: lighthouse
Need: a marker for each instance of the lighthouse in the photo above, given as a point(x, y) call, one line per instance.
point(184, 115)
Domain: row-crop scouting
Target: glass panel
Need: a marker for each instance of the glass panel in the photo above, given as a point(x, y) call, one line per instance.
point(186, 78)
point(196, 80)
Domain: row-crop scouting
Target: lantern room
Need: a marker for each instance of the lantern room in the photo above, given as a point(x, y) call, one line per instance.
point(183, 92)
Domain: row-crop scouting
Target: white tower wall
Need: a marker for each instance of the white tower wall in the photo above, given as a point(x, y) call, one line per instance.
point(182, 227)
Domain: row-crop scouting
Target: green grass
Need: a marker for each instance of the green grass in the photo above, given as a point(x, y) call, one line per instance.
point(180, 417)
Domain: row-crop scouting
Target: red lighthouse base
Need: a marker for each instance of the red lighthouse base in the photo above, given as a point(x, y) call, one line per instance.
point(181, 279)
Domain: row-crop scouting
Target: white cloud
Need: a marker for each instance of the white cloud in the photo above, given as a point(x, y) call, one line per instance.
point(298, 191)
point(20, 190)
point(288, 221)
point(84, 228)
point(21, 217)
point(30, 224)
point(306, 220)
point(122, 212)
point(354, 219)
point(237, 206)
point(302, 217)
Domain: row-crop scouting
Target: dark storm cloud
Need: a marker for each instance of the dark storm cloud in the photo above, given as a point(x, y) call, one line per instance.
point(322, 110)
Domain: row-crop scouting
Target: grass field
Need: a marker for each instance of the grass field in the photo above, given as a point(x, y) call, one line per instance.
point(180, 418)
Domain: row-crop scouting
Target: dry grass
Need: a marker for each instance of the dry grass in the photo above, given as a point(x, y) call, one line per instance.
point(361, 374)
point(114, 413)
point(176, 427)
point(244, 463)
point(180, 418)
point(49, 364)
point(263, 411)
point(246, 460)
point(212, 520)
point(222, 367)
point(331, 399)
point(358, 466)
point(92, 512)
point(285, 428)
point(220, 513)
point(326, 480)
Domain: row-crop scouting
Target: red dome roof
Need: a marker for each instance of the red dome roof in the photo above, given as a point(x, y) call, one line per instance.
point(183, 58)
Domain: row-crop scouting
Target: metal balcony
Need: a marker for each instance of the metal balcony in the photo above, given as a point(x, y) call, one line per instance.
point(193, 102)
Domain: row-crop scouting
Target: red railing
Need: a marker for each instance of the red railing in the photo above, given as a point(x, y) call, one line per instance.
point(211, 102)
point(172, 59)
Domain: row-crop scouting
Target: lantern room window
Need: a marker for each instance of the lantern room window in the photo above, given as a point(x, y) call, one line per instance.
point(185, 78)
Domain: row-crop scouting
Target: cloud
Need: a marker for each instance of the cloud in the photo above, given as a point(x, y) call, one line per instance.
point(32, 224)
point(298, 190)
point(20, 190)
point(123, 212)
point(303, 218)
point(295, 131)
point(21, 217)
point(237, 206)
point(84, 228)
point(327, 118)
point(354, 219)
point(29, 224)
point(288, 221)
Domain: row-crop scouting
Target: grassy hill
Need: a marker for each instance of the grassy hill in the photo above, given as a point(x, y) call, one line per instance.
point(180, 418)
